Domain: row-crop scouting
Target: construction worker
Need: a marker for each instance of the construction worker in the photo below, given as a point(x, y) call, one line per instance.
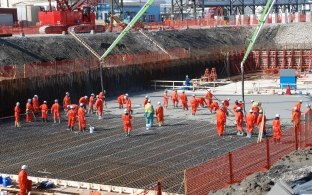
point(102, 96)
point(194, 104)
point(214, 106)
point(226, 102)
point(206, 75)
point(81, 118)
point(175, 99)
point(55, 110)
point(259, 122)
point(66, 101)
point(183, 99)
point(71, 117)
point(99, 106)
point(145, 101)
point(44, 111)
point(255, 110)
point(288, 90)
point(160, 114)
point(208, 97)
point(148, 113)
point(187, 82)
point(239, 118)
point(165, 96)
point(35, 103)
point(277, 132)
point(84, 100)
point(128, 103)
point(17, 116)
point(126, 119)
point(298, 106)
point(121, 101)
point(23, 182)
point(295, 119)
point(91, 103)
point(221, 120)
point(201, 101)
point(308, 114)
point(241, 104)
point(249, 123)
point(29, 111)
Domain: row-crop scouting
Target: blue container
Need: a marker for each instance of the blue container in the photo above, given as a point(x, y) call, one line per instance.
point(1, 182)
point(6, 181)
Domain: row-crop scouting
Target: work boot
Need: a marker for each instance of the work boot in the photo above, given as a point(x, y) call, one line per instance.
point(59, 121)
point(54, 121)
point(248, 135)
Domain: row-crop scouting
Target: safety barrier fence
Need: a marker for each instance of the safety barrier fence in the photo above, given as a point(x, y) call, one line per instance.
point(238, 164)
point(67, 66)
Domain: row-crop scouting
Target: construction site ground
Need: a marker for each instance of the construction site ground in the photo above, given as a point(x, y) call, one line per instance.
point(109, 157)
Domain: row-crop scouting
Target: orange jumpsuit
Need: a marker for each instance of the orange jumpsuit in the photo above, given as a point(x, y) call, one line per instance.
point(99, 106)
point(226, 103)
point(29, 112)
point(145, 101)
point(308, 116)
point(17, 116)
point(66, 102)
point(183, 99)
point(71, 118)
point(81, 119)
point(194, 105)
point(128, 104)
point(35, 103)
point(175, 99)
point(208, 98)
point(44, 111)
point(24, 183)
point(165, 100)
point(55, 110)
point(235, 107)
point(121, 101)
point(160, 115)
point(126, 119)
point(259, 120)
point(91, 103)
point(255, 112)
point(249, 122)
point(277, 132)
point(214, 106)
point(221, 119)
point(102, 96)
point(296, 120)
point(201, 101)
point(239, 121)
point(84, 101)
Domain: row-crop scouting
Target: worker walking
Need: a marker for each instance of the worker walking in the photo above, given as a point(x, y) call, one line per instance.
point(239, 118)
point(175, 99)
point(55, 110)
point(148, 113)
point(277, 132)
point(71, 117)
point(165, 96)
point(183, 99)
point(91, 103)
point(35, 103)
point(66, 101)
point(29, 111)
point(81, 118)
point(160, 114)
point(17, 116)
point(44, 111)
point(221, 120)
point(99, 106)
point(126, 119)
point(23, 182)
point(194, 104)
point(249, 123)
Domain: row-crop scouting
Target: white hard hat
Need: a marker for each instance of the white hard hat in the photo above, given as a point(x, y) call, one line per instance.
point(81, 104)
point(277, 115)
point(29, 100)
point(85, 96)
point(35, 96)
point(295, 108)
point(67, 93)
point(71, 106)
point(300, 101)
point(193, 95)
point(44, 102)
point(92, 94)
point(238, 108)
point(251, 101)
point(228, 99)
point(17, 103)
point(55, 100)
point(158, 103)
point(250, 110)
point(97, 96)
point(125, 111)
point(149, 101)
point(240, 100)
point(24, 167)
point(126, 94)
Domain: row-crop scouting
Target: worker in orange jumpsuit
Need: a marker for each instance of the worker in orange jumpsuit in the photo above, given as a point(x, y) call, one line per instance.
point(160, 114)
point(71, 117)
point(214, 106)
point(241, 104)
point(184, 100)
point(145, 101)
point(249, 123)
point(102, 96)
point(255, 111)
point(66, 101)
point(296, 119)
point(175, 99)
point(206, 75)
point(208, 97)
point(308, 115)
point(259, 121)
point(35, 103)
point(81, 118)
point(29, 111)
point(194, 104)
point(165, 96)
point(297, 106)
point(91, 103)
point(55, 110)
point(99, 106)
point(121, 101)
point(221, 120)
point(226, 102)
point(239, 118)
point(277, 131)
point(126, 119)
point(44, 111)
point(17, 116)
point(23, 182)
point(84, 100)
point(128, 103)
point(236, 105)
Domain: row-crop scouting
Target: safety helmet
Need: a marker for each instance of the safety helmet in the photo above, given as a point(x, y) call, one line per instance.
point(81, 104)
point(126, 94)
point(67, 93)
point(149, 101)
point(193, 95)
point(240, 100)
point(44, 102)
point(228, 99)
point(300, 101)
point(125, 111)
point(92, 94)
point(29, 100)
point(68, 106)
point(24, 167)
point(251, 101)
point(158, 103)
point(35, 96)
point(17, 103)
point(277, 115)
point(250, 110)
point(146, 96)
point(55, 100)
point(238, 108)
point(295, 108)
point(85, 97)
point(71, 106)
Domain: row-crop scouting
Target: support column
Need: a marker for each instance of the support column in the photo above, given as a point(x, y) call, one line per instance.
point(308, 16)
point(284, 18)
point(253, 19)
point(237, 20)
point(297, 17)
point(274, 18)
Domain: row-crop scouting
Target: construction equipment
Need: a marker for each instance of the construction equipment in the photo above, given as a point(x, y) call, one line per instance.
point(78, 15)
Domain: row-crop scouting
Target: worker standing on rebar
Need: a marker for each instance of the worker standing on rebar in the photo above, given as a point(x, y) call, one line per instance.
point(121, 101)
point(208, 97)
point(99, 106)
point(201, 101)
point(84, 100)
point(165, 99)
point(81, 118)
point(35, 103)
point(259, 122)
point(145, 101)
point(183, 99)
point(160, 114)
point(17, 116)
point(148, 113)
point(66, 101)
point(277, 132)
point(91, 103)
point(255, 110)
point(295, 119)
point(194, 104)
point(126, 119)
point(23, 182)
point(29, 111)
point(214, 106)
point(128, 103)
point(297, 106)
point(249, 123)
point(55, 110)
point(71, 117)
point(102, 96)
point(226, 102)
point(44, 111)
point(239, 118)
point(221, 119)
point(175, 99)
